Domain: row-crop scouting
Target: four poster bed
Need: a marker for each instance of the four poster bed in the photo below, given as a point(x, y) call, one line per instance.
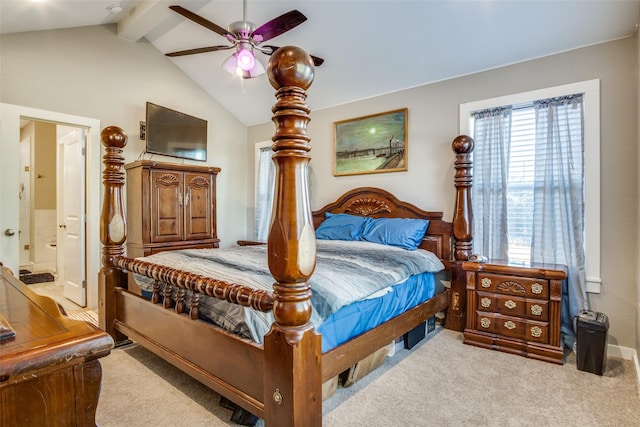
point(278, 378)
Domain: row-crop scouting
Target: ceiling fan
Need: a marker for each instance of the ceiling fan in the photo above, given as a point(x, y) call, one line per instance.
point(244, 37)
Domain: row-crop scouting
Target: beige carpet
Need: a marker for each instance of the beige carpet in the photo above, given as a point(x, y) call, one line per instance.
point(441, 382)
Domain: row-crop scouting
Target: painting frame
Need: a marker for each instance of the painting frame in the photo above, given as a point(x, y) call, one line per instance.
point(376, 143)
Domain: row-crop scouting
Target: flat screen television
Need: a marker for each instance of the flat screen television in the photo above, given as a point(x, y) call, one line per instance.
point(175, 134)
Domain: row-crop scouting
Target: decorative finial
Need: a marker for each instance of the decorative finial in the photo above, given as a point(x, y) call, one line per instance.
point(290, 66)
point(462, 144)
point(113, 136)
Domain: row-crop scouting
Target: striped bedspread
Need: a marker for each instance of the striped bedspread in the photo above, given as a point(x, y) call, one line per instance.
point(345, 272)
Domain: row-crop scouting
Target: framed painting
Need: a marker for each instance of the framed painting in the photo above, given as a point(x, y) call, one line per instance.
point(371, 144)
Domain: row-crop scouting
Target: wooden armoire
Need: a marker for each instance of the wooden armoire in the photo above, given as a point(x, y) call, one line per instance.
point(170, 206)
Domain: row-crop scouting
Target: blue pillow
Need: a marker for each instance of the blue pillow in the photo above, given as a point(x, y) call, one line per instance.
point(405, 233)
point(341, 227)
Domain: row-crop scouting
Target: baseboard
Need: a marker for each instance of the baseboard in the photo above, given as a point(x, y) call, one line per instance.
point(626, 353)
point(620, 352)
point(44, 266)
point(637, 365)
point(27, 266)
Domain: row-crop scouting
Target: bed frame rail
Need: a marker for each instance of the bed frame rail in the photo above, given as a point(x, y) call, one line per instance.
point(231, 292)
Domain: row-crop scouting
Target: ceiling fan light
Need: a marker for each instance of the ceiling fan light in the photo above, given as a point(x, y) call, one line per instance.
point(232, 66)
point(246, 60)
point(256, 70)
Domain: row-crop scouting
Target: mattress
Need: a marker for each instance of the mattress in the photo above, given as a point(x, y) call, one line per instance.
point(355, 286)
point(361, 316)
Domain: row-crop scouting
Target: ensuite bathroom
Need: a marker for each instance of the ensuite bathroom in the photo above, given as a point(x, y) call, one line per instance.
point(38, 200)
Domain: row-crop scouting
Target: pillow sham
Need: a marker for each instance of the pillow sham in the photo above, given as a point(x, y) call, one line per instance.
point(405, 233)
point(341, 227)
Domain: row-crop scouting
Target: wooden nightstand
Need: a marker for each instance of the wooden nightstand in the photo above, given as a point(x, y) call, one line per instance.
point(515, 308)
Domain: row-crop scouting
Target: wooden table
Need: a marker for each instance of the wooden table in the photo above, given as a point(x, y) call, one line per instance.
point(49, 371)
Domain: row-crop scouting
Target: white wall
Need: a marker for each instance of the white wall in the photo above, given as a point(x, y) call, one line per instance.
point(90, 72)
point(433, 124)
point(637, 300)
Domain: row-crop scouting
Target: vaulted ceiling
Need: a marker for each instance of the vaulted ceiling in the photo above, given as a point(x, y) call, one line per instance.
point(370, 47)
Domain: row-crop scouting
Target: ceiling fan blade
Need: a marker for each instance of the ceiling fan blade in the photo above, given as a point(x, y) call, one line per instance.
point(199, 20)
point(198, 50)
point(279, 25)
point(269, 49)
point(317, 61)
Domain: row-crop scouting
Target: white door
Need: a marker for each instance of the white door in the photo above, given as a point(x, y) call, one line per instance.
point(71, 216)
point(9, 188)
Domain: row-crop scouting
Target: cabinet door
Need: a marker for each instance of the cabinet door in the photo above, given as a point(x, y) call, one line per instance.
point(198, 204)
point(167, 212)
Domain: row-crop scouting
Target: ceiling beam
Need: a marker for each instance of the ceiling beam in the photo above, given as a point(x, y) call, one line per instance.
point(151, 17)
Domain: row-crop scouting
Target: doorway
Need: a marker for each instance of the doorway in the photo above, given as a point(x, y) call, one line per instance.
point(52, 209)
point(11, 117)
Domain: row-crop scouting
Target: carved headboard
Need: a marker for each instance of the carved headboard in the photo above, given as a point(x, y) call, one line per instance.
point(378, 203)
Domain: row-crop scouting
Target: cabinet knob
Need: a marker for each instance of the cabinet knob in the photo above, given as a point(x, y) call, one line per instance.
point(509, 325)
point(485, 322)
point(9, 232)
point(536, 310)
point(510, 304)
point(536, 288)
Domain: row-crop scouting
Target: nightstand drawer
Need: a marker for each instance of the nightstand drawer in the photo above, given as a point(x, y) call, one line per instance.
point(513, 327)
point(537, 310)
point(513, 285)
point(534, 309)
point(513, 306)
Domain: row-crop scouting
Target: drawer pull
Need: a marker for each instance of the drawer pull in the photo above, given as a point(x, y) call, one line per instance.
point(510, 304)
point(536, 288)
point(509, 325)
point(485, 322)
point(485, 302)
point(536, 332)
point(486, 282)
point(536, 310)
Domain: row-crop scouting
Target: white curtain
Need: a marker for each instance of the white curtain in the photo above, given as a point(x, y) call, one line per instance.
point(264, 194)
point(492, 134)
point(558, 216)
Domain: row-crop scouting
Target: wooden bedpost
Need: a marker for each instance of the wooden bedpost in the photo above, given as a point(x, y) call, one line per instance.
point(462, 232)
point(292, 348)
point(112, 228)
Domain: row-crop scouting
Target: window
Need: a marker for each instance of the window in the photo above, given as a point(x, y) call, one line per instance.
point(520, 176)
point(265, 181)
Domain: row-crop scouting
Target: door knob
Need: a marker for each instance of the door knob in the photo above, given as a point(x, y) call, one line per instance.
point(9, 232)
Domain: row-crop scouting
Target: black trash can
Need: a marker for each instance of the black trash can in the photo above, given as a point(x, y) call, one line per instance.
point(591, 341)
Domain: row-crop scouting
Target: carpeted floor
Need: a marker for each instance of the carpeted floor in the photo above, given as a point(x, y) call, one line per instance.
point(441, 382)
